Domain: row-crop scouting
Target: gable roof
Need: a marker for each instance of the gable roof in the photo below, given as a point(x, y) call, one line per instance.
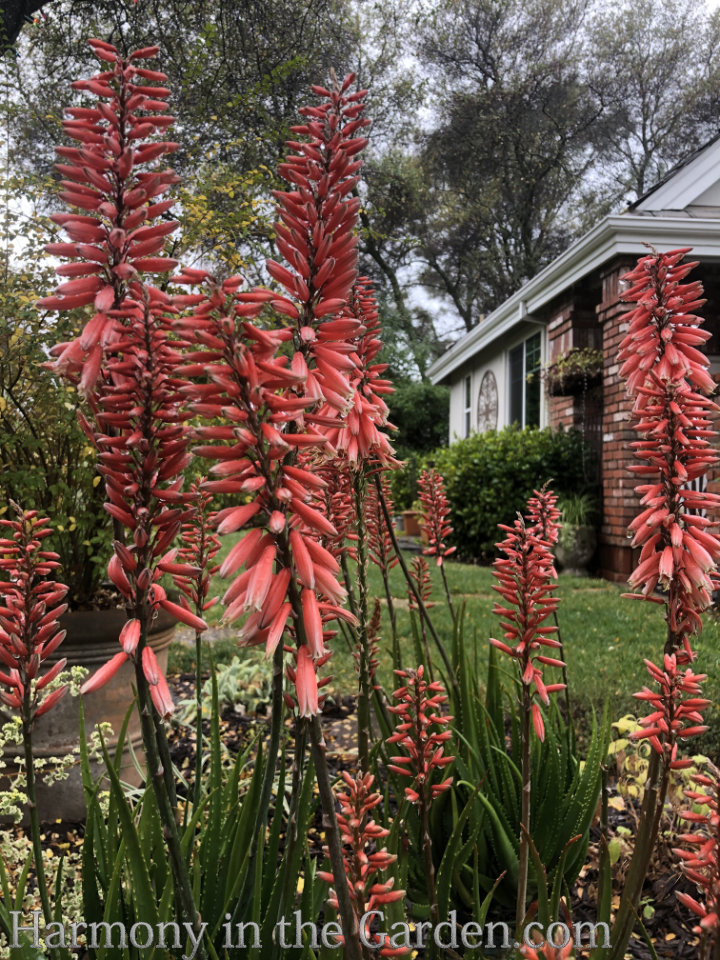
point(684, 184)
point(655, 218)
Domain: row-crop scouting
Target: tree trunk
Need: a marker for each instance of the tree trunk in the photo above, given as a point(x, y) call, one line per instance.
point(14, 15)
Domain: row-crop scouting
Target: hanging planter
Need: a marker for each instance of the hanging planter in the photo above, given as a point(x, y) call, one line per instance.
point(574, 372)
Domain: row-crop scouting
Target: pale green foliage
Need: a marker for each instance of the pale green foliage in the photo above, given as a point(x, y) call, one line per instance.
point(244, 684)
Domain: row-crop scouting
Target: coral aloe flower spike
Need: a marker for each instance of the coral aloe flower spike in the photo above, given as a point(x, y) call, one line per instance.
point(282, 367)
point(364, 861)
point(700, 858)
point(525, 581)
point(436, 509)
point(111, 176)
point(124, 360)
point(30, 605)
point(667, 375)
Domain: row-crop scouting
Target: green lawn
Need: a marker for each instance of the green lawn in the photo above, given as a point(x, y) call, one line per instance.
point(606, 638)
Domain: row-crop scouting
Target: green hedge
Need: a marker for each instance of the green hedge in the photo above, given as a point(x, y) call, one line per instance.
point(489, 477)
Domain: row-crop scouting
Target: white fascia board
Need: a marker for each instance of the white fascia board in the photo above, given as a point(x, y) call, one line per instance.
point(688, 183)
point(614, 235)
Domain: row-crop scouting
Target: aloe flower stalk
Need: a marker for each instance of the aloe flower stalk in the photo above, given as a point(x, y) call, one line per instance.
point(30, 605)
point(421, 592)
point(382, 552)
point(412, 586)
point(700, 858)
point(544, 518)
point(124, 363)
point(199, 545)
point(364, 860)
point(526, 581)
point(436, 511)
point(668, 378)
point(282, 370)
point(421, 735)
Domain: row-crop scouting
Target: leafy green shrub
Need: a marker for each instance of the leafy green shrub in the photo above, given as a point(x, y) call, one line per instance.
point(403, 482)
point(489, 477)
point(420, 412)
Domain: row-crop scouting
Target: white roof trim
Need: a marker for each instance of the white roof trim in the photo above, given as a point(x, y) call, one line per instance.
point(688, 182)
point(618, 234)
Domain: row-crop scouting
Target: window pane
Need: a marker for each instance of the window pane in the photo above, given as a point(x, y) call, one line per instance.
point(467, 393)
point(516, 385)
point(532, 381)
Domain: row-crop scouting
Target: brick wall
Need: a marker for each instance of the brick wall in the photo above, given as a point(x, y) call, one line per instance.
point(574, 324)
point(619, 501)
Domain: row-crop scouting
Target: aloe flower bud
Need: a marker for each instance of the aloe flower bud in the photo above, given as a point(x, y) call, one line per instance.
point(543, 515)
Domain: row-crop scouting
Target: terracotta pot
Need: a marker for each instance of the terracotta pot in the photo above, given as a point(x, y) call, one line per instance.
point(91, 640)
point(411, 526)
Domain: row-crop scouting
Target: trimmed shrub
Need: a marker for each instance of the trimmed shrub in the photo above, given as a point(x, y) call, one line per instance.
point(420, 411)
point(489, 477)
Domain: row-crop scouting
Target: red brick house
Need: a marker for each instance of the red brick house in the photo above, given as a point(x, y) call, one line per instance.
point(497, 372)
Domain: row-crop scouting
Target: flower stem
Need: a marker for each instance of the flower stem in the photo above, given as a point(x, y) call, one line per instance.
point(452, 679)
point(165, 759)
point(348, 920)
point(428, 860)
point(276, 723)
point(525, 809)
point(165, 808)
point(447, 593)
point(34, 818)
point(644, 845)
point(197, 789)
point(365, 691)
point(393, 619)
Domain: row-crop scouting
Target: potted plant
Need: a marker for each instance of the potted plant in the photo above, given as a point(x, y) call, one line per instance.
point(574, 372)
point(578, 536)
point(412, 526)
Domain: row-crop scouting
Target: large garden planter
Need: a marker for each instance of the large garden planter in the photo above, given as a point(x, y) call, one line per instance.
point(91, 640)
point(411, 524)
point(575, 548)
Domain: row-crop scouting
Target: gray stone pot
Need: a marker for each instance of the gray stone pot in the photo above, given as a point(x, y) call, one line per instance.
point(91, 640)
point(575, 548)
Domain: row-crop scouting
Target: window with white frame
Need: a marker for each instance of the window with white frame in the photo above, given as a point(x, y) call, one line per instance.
point(524, 379)
point(468, 405)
